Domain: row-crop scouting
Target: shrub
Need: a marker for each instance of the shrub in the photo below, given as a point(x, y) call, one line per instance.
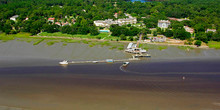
point(198, 43)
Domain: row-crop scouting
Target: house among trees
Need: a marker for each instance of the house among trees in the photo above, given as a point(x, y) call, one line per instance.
point(14, 17)
point(163, 23)
point(126, 21)
point(188, 29)
point(120, 22)
point(51, 20)
point(104, 23)
point(211, 30)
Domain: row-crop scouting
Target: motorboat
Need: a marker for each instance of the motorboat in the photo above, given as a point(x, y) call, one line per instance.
point(125, 64)
point(64, 62)
point(94, 61)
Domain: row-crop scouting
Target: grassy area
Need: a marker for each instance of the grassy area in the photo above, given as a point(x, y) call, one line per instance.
point(214, 44)
point(71, 41)
point(5, 38)
point(185, 47)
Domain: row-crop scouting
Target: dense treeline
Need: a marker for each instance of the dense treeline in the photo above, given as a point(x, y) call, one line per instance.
point(203, 14)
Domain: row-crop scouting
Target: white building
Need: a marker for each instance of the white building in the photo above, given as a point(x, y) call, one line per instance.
point(14, 17)
point(211, 30)
point(126, 21)
point(109, 22)
point(163, 23)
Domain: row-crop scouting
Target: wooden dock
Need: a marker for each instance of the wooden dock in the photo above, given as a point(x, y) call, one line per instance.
point(103, 61)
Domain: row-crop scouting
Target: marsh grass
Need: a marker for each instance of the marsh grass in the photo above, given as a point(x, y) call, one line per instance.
point(51, 42)
point(162, 47)
point(214, 44)
point(38, 42)
point(185, 47)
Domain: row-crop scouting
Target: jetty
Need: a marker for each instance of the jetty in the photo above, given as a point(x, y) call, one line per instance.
point(100, 61)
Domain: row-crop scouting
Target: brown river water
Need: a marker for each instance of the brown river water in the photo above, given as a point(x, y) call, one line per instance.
point(173, 79)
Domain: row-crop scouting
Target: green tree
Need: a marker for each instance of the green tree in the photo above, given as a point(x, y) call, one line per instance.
point(66, 29)
point(123, 37)
point(168, 33)
point(154, 33)
point(94, 30)
point(202, 37)
point(130, 38)
point(198, 43)
point(181, 34)
point(51, 28)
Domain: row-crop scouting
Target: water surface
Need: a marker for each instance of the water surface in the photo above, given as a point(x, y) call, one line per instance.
point(173, 79)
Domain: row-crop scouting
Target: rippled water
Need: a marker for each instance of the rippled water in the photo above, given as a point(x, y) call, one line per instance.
point(173, 79)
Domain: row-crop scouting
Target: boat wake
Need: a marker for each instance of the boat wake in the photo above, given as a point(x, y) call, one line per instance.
point(124, 69)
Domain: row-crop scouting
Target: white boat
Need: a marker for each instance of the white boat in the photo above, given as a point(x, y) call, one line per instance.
point(94, 61)
point(125, 64)
point(64, 62)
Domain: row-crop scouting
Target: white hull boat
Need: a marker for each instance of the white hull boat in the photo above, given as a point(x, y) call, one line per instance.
point(125, 64)
point(64, 62)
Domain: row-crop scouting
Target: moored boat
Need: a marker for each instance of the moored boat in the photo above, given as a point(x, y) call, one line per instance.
point(125, 64)
point(64, 62)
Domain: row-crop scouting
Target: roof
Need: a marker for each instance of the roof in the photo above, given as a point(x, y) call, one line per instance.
point(211, 29)
point(15, 16)
point(163, 21)
point(51, 18)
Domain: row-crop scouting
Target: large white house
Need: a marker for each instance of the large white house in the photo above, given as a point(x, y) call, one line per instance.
point(109, 22)
point(163, 23)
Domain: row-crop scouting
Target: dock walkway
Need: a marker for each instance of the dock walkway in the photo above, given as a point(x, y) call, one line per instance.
point(103, 61)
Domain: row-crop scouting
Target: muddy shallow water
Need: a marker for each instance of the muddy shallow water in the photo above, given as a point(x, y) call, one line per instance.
point(173, 79)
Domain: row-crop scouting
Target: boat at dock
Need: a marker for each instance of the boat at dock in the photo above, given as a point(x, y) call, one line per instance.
point(125, 64)
point(135, 49)
point(64, 62)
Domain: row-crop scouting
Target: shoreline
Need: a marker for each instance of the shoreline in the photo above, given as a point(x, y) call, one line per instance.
point(171, 42)
point(100, 40)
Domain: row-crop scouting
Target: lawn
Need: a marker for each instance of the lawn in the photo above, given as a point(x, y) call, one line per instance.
point(214, 44)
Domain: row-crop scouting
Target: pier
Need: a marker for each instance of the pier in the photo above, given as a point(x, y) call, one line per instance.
point(99, 61)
